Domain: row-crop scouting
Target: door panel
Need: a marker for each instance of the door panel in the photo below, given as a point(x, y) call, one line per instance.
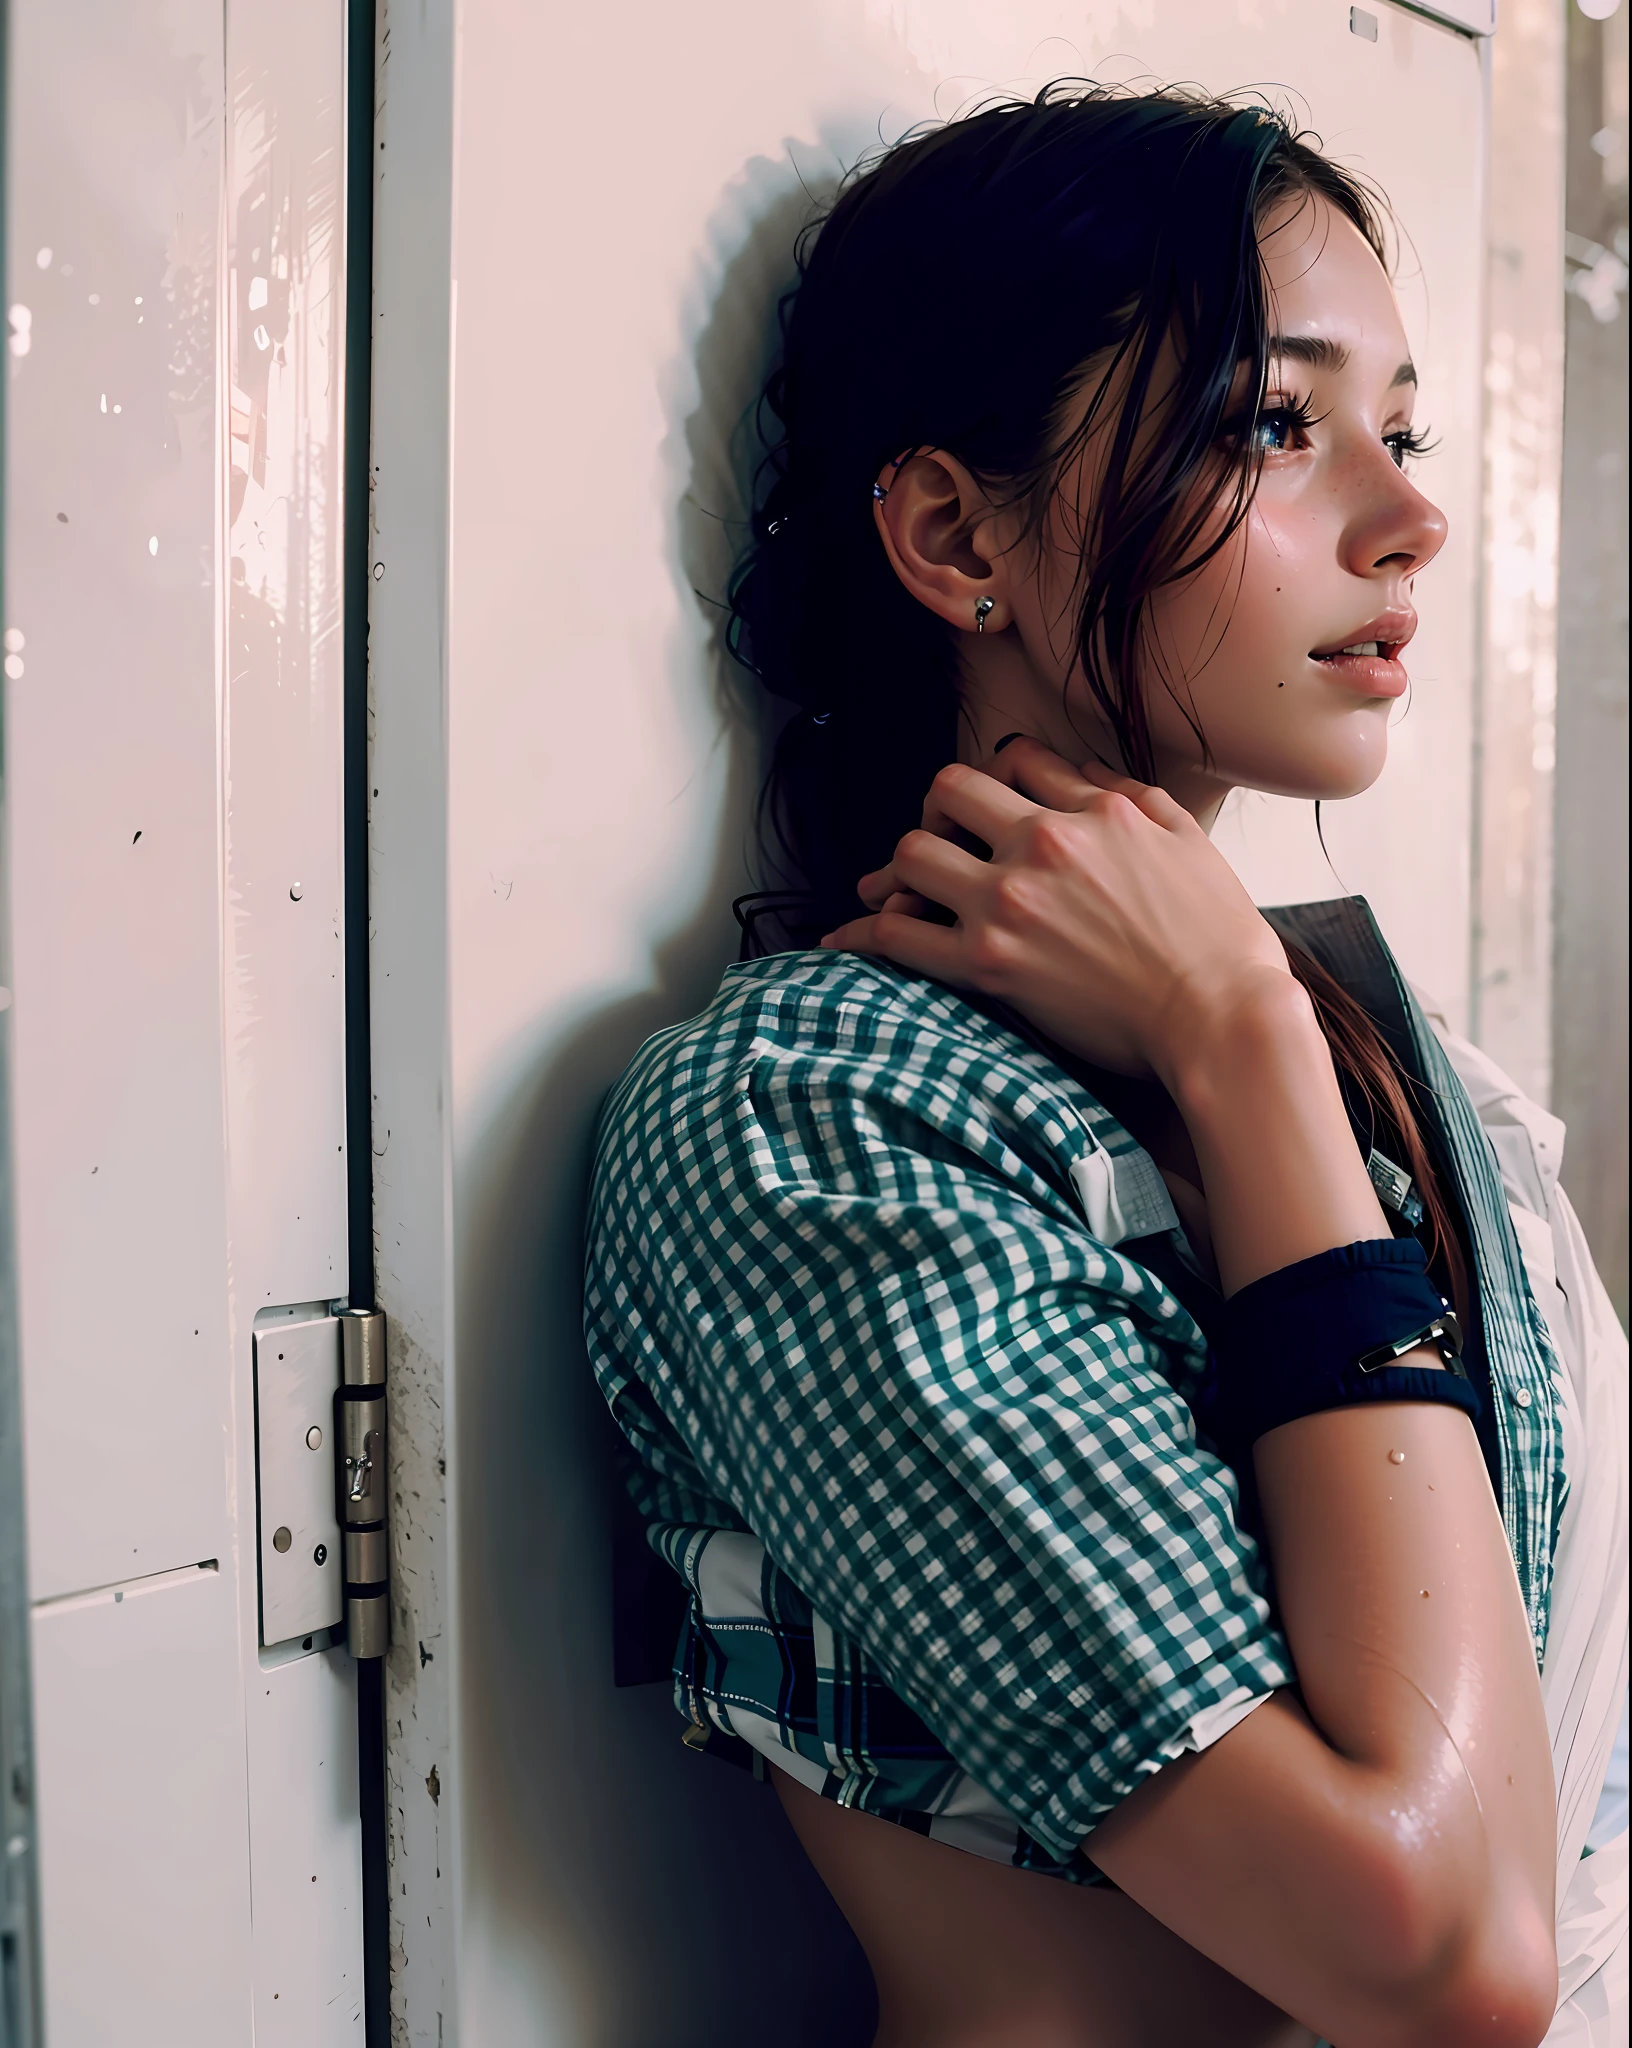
point(285, 931)
point(308, 1956)
point(111, 518)
point(173, 565)
point(138, 1721)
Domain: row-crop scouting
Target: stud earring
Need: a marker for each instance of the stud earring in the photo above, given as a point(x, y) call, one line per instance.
point(984, 607)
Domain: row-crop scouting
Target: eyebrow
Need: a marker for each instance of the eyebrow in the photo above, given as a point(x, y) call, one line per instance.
point(1321, 354)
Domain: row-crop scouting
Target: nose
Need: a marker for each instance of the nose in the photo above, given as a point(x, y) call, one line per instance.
point(1392, 526)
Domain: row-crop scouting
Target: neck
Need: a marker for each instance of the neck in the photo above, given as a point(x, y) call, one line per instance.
point(1002, 694)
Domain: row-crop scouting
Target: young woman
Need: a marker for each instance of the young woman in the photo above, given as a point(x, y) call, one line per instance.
point(1117, 1411)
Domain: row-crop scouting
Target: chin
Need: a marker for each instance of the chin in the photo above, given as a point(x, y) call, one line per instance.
point(1321, 776)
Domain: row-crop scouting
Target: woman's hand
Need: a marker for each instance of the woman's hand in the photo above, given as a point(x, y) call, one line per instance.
point(1105, 916)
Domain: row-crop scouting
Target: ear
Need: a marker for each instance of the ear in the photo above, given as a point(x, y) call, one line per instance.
point(945, 539)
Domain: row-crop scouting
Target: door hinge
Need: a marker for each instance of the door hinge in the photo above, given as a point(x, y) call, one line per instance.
point(322, 1478)
point(363, 1478)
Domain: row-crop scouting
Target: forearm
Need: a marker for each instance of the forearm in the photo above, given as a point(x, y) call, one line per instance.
point(1283, 1175)
point(1399, 1601)
point(1387, 1844)
point(1382, 1865)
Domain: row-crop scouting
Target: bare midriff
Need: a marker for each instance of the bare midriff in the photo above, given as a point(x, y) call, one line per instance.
point(968, 1953)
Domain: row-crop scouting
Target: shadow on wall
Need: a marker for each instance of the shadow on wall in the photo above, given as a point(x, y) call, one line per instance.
point(643, 1897)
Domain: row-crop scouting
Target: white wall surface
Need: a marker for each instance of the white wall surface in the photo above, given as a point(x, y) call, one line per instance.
point(583, 223)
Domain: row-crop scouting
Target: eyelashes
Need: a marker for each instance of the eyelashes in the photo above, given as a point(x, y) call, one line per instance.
point(1286, 416)
point(1289, 417)
point(1283, 425)
point(1409, 444)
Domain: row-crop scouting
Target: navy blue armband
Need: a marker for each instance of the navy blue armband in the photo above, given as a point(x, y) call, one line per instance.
point(1325, 1333)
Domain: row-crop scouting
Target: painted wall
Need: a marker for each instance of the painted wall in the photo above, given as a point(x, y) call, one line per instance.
point(582, 226)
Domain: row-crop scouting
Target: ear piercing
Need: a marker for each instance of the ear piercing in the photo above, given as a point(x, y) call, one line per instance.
point(984, 607)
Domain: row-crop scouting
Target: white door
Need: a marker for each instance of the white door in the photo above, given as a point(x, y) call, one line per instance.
point(173, 582)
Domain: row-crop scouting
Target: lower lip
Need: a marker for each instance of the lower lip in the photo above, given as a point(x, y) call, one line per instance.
point(1368, 675)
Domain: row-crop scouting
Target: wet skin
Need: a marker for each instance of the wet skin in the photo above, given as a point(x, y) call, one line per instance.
point(1377, 1857)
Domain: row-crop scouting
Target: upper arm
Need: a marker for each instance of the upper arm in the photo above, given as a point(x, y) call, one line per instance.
point(953, 1419)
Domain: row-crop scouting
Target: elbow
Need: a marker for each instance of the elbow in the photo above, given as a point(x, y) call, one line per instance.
point(1449, 1971)
point(1499, 2001)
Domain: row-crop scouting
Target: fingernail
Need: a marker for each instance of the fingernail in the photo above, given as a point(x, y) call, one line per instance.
point(1007, 740)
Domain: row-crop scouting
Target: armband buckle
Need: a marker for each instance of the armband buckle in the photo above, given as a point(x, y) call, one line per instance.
point(1444, 1333)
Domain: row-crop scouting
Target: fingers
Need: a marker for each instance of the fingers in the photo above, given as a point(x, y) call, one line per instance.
point(932, 950)
point(970, 800)
point(934, 869)
point(876, 889)
point(1156, 804)
point(1036, 771)
point(882, 890)
point(926, 870)
point(933, 866)
point(1025, 777)
point(1049, 779)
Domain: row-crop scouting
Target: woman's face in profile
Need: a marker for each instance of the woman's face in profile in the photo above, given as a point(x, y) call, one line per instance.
point(1287, 647)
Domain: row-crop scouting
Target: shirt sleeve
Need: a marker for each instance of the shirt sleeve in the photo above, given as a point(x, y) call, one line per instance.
point(861, 1299)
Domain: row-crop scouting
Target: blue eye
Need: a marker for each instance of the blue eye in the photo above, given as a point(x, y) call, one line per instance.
point(1275, 432)
point(1283, 427)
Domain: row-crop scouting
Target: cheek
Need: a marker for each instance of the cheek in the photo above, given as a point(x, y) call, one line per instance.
point(1246, 622)
point(1239, 634)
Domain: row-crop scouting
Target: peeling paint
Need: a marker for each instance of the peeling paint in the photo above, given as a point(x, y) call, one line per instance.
point(417, 1724)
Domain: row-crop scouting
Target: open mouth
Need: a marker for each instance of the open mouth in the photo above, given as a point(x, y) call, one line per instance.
point(1363, 650)
point(1370, 667)
point(1369, 664)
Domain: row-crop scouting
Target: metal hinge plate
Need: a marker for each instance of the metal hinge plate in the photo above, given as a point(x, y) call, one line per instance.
point(297, 1369)
point(320, 1448)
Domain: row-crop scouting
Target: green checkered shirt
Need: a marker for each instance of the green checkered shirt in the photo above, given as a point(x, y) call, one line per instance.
point(931, 1435)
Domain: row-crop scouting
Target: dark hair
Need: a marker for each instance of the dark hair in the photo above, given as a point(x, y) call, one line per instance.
point(966, 288)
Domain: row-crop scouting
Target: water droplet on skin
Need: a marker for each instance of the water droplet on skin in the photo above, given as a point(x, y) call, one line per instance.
point(295, 892)
point(1396, 1457)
